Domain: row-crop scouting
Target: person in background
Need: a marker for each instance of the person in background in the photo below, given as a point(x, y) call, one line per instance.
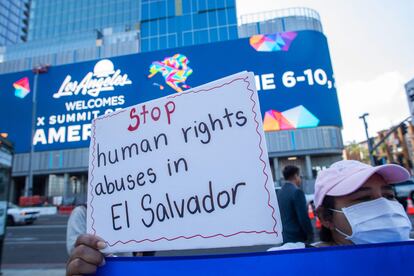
point(356, 204)
point(76, 226)
point(297, 226)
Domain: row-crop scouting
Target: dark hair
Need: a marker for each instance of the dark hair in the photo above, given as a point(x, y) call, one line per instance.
point(290, 171)
point(328, 203)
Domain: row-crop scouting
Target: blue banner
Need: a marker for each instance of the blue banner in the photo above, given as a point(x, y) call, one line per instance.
point(293, 73)
point(378, 259)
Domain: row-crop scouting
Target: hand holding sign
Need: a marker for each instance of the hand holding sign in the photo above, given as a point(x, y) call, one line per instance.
point(186, 171)
point(85, 258)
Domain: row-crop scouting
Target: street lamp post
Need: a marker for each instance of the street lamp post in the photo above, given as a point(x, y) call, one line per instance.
point(370, 151)
point(36, 71)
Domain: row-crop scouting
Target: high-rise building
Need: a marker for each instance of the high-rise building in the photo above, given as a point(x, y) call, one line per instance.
point(71, 18)
point(153, 25)
point(176, 23)
point(63, 32)
point(13, 19)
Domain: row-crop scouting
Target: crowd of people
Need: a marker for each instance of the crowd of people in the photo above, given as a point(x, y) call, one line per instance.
point(354, 202)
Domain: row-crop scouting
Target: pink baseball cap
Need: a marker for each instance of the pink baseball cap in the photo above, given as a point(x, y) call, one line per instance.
point(345, 177)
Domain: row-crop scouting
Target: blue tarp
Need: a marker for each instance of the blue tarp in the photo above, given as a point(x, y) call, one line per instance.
point(379, 259)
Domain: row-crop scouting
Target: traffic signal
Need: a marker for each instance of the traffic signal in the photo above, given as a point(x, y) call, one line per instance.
point(403, 129)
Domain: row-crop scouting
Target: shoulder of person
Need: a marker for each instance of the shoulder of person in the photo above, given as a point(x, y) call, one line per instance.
point(79, 212)
point(80, 209)
point(288, 186)
point(299, 192)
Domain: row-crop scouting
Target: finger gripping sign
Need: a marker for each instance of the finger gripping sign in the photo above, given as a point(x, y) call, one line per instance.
point(186, 171)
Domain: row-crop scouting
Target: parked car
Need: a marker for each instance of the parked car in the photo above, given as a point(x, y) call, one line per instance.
point(403, 191)
point(18, 215)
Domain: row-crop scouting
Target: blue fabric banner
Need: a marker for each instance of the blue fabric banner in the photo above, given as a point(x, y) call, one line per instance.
point(378, 259)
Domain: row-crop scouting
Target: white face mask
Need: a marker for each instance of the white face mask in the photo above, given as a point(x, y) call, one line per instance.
point(376, 221)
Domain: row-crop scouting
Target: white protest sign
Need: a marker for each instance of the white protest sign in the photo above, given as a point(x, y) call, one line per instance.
point(186, 171)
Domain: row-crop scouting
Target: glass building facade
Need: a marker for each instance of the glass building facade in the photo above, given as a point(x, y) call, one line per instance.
point(62, 18)
point(285, 20)
point(63, 32)
point(11, 21)
point(69, 31)
point(175, 23)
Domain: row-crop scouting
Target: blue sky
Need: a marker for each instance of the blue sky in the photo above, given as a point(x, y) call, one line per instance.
point(372, 52)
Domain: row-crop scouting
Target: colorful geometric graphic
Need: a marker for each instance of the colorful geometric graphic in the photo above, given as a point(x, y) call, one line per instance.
point(297, 117)
point(300, 117)
point(22, 87)
point(274, 120)
point(175, 71)
point(272, 42)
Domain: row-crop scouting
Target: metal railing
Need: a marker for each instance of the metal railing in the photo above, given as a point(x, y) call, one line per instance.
point(269, 15)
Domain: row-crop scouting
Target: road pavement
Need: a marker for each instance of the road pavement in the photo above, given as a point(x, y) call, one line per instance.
point(41, 244)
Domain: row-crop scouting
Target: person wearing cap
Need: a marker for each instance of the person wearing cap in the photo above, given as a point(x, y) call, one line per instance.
point(356, 204)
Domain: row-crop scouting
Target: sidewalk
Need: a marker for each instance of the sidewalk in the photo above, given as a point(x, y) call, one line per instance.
point(33, 272)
